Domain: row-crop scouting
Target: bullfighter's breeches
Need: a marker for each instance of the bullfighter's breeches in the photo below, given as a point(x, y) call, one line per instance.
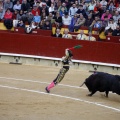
point(60, 75)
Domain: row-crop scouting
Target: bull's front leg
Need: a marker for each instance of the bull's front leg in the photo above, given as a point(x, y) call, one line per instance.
point(107, 92)
point(93, 92)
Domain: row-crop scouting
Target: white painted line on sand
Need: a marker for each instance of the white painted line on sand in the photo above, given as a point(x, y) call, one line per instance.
point(33, 81)
point(61, 96)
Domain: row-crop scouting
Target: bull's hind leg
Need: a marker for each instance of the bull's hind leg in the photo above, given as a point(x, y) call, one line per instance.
point(107, 92)
point(93, 92)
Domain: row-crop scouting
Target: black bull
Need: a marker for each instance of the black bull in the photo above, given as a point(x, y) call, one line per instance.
point(103, 82)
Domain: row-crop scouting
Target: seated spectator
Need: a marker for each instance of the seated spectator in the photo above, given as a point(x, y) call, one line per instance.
point(66, 19)
point(111, 6)
point(66, 34)
point(73, 22)
point(35, 10)
point(50, 18)
point(107, 13)
point(118, 23)
point(81, 36)
point(116, 32)
point(8, 5)
point(88, 21)
point(97, 9)
point(52, 8)
point(29, 17)
point(21, 24)
point(118, 8)
point(37, 18)
point(43, 9)
point(2, 11)
point(72, 11)
point(62, 9)
point(81, 11)
point(91, 6)
point(21, 16)
point(111, 25)
point(116, 16)
point(103, 3)
point(57, 33)
point(8, 19)
point(105, 22)
point(80, 22)
point(47, 25)
point(25, 6)
point(17, 6)
point(90, 37)
point(57, 20)
point(95, 24)
point(33, 25)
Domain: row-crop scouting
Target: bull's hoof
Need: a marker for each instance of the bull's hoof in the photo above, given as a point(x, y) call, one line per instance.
point(89, 95)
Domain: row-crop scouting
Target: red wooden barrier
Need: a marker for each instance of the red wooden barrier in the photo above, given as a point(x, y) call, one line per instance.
point(106, 52)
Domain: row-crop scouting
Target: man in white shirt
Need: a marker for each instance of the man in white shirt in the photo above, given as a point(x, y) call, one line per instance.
point(17, 6)
point(81, 36)
point(116, 16)
point(66, 19)
point(66, 35)
point(73, 10)
point(90, 37)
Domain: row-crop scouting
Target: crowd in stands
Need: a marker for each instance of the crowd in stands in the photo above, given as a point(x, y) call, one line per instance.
point(43, 14)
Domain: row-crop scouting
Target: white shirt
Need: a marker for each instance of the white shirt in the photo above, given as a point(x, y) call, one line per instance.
point(17, 7)
point(66, 21)
point(72, 11)
point(51, 9)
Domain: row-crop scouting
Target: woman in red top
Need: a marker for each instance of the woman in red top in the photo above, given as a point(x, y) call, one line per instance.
point(8, 14)
point(8, 19)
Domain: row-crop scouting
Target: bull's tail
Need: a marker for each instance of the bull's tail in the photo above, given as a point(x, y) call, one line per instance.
point(82, 84)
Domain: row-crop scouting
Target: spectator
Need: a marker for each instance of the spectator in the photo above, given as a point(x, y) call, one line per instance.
point(8, 5)
point(37, 18)
point(81, 36)
point(118, 23)
point(107, 13)
point(57, 20)
point(90, 37)
point(118, 8)
point(111, 25)
point(67, 4)
point(44, 8)
point(35, 10)
point(21, 16)
point(21, 24)
point(72, 11)
point(14, 16)
point(97, 9)
point(116, 16)
point(79, 22)
point(95, 24)
point(2, 11)
point(103, 3)
point(105, 22)
point(88, 21)
point(81, 11)
point(73, 22)
point(25, 6)
point(62, 9)
point(66, 19)
point(47, 25)
point(50, 18)
point(116, 32)
point(8, 19)
point(91, 6)
point(66, 34)
point(51, 8)
point(29, 17)
point(57, 33)
point(33, 25)
point(111, 6)
point(17, 6)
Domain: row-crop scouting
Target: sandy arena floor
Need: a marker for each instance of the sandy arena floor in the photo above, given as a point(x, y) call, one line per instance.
point(22, 96)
